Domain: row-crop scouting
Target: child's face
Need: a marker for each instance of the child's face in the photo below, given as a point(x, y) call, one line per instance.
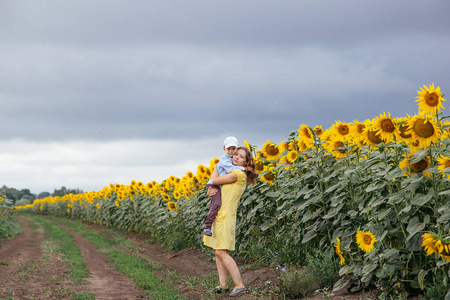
point(230, 151)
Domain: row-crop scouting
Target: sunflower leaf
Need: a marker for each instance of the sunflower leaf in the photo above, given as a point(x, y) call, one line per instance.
point(421, 200)
point(419, 155)
point(443, 218)
point(414, 227)
point(421, 278)
point(340, 284)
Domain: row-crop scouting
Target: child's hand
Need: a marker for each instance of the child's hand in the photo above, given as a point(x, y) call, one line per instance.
point(211, 192)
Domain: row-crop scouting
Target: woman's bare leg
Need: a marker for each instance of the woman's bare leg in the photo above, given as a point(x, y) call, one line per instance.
point(222, 270)
point(230, 265)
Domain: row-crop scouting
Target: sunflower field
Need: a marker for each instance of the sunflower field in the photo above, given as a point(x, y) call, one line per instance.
point(372, 194)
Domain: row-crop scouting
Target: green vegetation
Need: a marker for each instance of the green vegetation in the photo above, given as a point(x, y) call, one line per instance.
point(9, 224)
point(66, 245)
point(137, 269)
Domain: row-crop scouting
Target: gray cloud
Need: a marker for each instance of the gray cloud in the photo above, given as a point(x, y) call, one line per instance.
point(101, 71)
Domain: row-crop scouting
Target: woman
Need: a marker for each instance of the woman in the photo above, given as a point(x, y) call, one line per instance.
point(224, 226)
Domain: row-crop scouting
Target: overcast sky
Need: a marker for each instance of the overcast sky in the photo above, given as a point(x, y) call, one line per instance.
point(98, 92)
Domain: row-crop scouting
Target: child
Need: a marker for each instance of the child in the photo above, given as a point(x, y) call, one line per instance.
point(224, 166)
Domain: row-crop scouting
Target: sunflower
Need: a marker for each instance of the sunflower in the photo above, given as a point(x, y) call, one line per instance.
point(292, 156)
point(302, 145)
point(68, 210)
point(213, 162)
point(339, 252)
point(98, 205)
point(176, 194)
point(269, 176)
point(283, 146)
point(305, 133)
point(292, 145)
point(414, 146)
point(333, 145)
point(445, 132)
point(248, 146)
point(430, 99)
point(341, 130)
point(385, 127)
point(172, 206)
point(165, 196)
point(117, 203)
point(434, 244)
point(259, 165)
point(260, 154)
point(357, 130)
point(284, 159)
point(423, 128)
point(371, 137)
point(271, 151)
point(318, 130)
point(402, 125)
point(444, 163)
point(365, 240)
point(189, 175)
point(415, 168)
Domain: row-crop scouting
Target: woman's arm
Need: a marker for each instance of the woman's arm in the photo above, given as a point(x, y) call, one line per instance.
point(225, 179)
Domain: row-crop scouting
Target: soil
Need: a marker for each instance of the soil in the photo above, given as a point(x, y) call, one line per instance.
point(28, 270)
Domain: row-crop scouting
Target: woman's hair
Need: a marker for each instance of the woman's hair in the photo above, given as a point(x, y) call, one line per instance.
point(250, 167)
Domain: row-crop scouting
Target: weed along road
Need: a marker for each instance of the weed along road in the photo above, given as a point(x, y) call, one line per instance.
point(60, 259)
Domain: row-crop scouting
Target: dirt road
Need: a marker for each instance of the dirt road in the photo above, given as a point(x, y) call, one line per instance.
point(29, 269)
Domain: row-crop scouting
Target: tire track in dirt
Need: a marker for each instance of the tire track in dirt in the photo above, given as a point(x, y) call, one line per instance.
point(106, 281)
point(21, 248)
point(28, 271)
point(16, 256)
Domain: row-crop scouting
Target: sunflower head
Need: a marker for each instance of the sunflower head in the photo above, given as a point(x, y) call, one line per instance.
point(430, 99)
point(259, 165)
point(444, 163)
point(416, 167)
point(385, 127)
point(342, 130)
point(357, 128)
point(172, 206)
point(269, 176)
point(433, 244)
point(424, 129)
point(305, 133)
point(371, 137)
point(292, 156)
point(339, 252)
point(402, 129)
point(271, 151)
point(283, 146)
point(177, 194)
point(165, 196)
point(318, 130)
point(365, 240)
point(335, 147)
point(213, 162)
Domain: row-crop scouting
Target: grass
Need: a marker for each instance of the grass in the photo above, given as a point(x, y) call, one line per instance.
point(139, 270)
point(63, 242)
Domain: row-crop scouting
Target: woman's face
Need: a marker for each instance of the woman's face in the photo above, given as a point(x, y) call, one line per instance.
point(240, 158)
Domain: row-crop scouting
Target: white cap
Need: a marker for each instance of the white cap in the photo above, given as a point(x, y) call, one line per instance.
point(230, 141)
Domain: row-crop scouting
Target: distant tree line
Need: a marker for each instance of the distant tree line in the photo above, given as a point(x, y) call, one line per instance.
point(24, 196)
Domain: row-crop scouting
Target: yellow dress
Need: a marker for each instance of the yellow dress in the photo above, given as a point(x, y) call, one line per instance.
point(224, 226)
